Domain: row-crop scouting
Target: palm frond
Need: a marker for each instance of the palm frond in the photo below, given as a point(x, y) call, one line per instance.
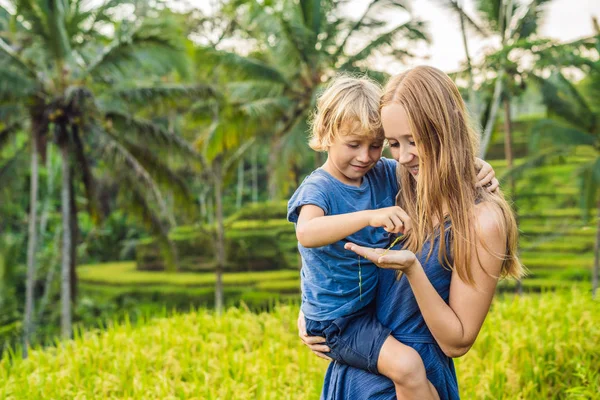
point(152, 94)
point(9, 168)
point(555, 134)
point(412, 30)
point(312, 13)
point(589, 183)
point(166, 179)
point(148, 47)
point(14, 85)
point(138, 206)
point(355, 28)
point(17, 61)
point(250, 90)
point(89, 183)
point(120, 157)
point(242, 67)
point(267, 109)
point(470, 22)
point(8, 133)
point(58, 40)
point(531, 20)
point(150, 133)
point(564, 101)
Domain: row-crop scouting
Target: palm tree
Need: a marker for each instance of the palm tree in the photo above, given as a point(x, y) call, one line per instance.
point(81, 87)
point(299, 46)
point(574, 112)
point(226, 132)
point(514, 24)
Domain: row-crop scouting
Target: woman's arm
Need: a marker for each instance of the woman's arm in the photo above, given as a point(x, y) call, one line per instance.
point(455, 326)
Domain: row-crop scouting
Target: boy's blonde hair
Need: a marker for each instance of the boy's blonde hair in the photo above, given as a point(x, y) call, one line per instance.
point(347, 99)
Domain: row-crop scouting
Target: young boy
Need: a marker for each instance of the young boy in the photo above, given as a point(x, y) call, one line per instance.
point(351, 198)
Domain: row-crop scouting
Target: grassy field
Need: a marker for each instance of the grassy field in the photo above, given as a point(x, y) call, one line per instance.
point(124, 273)
point(534, 347)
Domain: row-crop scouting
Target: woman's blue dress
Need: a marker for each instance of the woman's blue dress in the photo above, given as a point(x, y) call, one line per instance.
point(397, 309)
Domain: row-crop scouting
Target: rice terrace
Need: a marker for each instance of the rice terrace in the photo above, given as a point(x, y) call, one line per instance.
point(151, 151)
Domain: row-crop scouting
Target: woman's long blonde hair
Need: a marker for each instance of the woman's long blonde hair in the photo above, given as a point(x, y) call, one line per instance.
point(447, 145)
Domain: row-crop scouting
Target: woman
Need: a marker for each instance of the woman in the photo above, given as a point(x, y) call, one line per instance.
point(435, 293)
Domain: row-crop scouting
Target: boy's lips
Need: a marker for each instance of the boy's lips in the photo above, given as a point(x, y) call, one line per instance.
point(361, 167)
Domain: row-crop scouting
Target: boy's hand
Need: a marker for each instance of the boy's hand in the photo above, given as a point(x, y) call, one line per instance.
point(486, 176)
point(392, 219)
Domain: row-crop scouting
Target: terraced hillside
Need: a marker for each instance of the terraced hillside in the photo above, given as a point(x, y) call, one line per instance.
point(556, 241)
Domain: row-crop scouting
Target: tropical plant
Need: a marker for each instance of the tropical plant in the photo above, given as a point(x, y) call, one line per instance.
point(79, 86)
point(514, 24)
point(296, 47)
point(574, 120)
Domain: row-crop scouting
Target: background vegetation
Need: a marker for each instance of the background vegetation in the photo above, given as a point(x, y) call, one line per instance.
point(147, 150)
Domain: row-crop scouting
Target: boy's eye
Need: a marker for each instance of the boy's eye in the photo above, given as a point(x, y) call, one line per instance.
point(395, 144)
point(375, 146)
point(352, 145)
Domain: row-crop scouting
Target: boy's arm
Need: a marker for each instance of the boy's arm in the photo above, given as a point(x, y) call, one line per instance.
point(315, 229)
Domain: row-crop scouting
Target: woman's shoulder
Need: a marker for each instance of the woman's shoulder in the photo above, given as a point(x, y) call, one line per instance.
point(490, 220)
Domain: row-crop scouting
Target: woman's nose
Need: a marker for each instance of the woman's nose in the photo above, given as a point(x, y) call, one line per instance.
point(405, 157)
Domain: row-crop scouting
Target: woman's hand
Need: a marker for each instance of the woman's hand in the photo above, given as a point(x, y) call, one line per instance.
point(314, 343)
point(486, 176)
point(401, 260)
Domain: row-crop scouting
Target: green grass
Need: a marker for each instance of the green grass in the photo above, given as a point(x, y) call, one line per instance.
point(534, 347)
point(124, 273)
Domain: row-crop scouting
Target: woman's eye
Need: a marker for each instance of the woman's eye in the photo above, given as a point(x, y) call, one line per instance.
point(411, 143)
point(376, 146)
point(394, 144)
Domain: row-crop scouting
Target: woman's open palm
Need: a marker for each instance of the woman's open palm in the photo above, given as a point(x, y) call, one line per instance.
point(389, 259)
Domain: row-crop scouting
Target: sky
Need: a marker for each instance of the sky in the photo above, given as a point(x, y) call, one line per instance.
point(564, 20)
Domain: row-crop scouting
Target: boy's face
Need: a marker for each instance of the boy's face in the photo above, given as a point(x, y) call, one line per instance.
point(352, 154)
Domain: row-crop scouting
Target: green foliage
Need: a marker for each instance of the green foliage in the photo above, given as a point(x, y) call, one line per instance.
point(539, 346)
point(258, 237)
point(125, 273)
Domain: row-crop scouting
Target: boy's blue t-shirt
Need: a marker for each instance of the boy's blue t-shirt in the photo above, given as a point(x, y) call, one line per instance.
point(330, 274)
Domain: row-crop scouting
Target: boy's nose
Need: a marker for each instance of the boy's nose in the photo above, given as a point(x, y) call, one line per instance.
point(363, 156)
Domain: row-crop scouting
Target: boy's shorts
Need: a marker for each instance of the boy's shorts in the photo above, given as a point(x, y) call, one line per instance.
point(355, 340)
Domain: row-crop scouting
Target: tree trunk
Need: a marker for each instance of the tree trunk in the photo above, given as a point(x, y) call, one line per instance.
point(272, 168)
point(508, 155)
point(240, 185)
point(50, 276)
point(210, 209)
point(220, 243)
point(48, 198)
point(74, 238)
point(31, 245)
point(202, 202)
point(596, 254)
point(65, 293)
point(489, 126)
point(471, 100)
point(255, 173)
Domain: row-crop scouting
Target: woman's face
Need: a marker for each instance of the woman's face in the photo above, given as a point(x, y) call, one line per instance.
point(397, 132)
